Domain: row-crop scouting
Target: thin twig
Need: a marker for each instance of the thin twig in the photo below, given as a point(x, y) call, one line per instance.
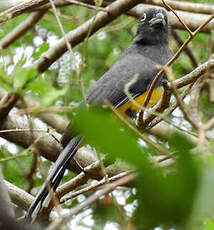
point(179, 19)
point(30, 175)
point(203, 8)
point(90, 200)
point(70, 50)
point(179, 101)
point(87, 5)
point(24, 130)
point(157, 111)
point(187, 50)
point(94, 186)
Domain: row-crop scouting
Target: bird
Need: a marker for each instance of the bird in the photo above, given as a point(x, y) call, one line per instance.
point(136, 67)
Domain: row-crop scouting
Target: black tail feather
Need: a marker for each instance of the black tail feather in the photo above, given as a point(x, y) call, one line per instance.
point(53, 178)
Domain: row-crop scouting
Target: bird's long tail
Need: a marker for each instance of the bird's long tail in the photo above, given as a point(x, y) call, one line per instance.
point(43, 197)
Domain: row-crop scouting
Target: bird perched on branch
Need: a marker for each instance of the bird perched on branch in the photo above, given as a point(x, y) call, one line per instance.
point(136, 68)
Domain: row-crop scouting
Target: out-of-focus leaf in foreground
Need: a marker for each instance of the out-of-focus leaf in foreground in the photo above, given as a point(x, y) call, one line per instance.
point(167, 199)
point(108, 135)
point(164, 199)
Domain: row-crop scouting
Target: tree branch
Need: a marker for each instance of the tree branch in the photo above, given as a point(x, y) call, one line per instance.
point(47, 146)
point(192, 20)
point(187, 50)
point(5, 199)
point(52, 119)
point(6, 104)
point(90, 200)
point(188, 79)
point(20, 9)
point(201, 8)
point(18, 196)
point(21, 29)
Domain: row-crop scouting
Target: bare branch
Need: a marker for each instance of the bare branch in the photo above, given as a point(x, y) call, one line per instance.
point(168, 7)
point(195, 74)
point(187, 50)
point(47, 146)
point(188, 79)
point(93, 186)
point(52, 119)
point(45, 143)
point(202, 8)
point(90, 200)
point(21, 29)
point(192, 20)
point(164, 132)
point(5, 199)
point(20, 9)
point(6, 104)
point(90, 6)
point(19, 196)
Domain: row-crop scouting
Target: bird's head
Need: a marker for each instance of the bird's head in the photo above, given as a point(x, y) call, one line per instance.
point(153, 27)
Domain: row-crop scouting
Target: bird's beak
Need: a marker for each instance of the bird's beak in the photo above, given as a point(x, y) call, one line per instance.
point(158, 19)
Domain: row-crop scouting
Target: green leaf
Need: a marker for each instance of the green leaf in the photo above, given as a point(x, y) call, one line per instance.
point(5, 80)
point(163, 199)
point(109, 135)
point(22, 76)
point(45, 91)
point(12, 170)
point(104, 212)
point(204, 204)
point(44, 47)
point(167, 200)
point(52, 96)
point(40, 86)
point(209, 225)
point(6, 85)
point(206, 105)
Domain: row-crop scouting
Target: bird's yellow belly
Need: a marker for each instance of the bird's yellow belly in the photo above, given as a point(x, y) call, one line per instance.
point(137, 103)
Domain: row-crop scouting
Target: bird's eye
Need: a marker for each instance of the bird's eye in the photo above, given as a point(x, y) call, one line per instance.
point(143, 18)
